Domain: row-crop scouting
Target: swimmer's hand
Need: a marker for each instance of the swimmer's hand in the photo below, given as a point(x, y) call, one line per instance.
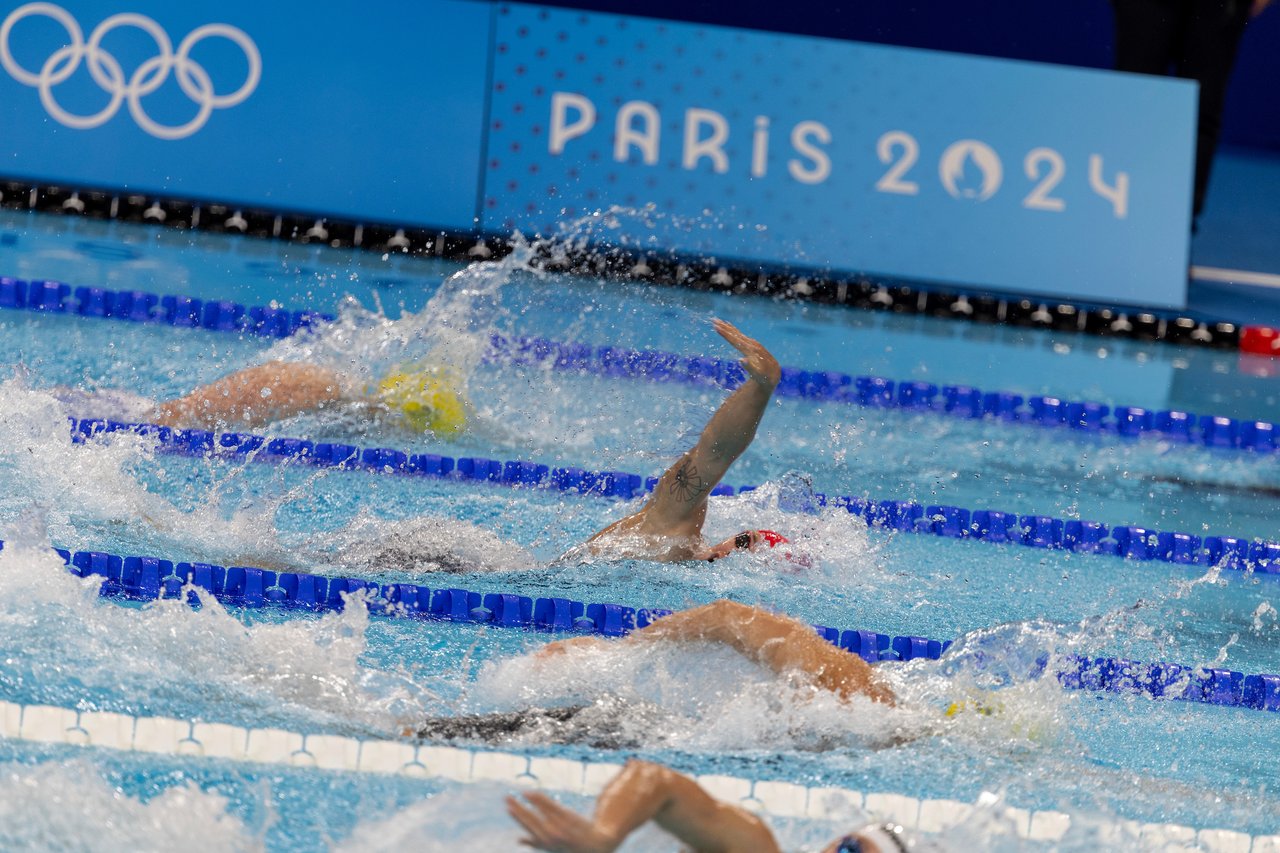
point(757, 361)
point(560, 647)
point(551, 826)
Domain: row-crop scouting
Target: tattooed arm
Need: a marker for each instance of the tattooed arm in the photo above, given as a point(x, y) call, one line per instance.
point(679, 500)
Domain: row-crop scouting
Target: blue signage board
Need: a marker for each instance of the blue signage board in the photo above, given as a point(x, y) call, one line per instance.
point(742, 146)
point(334, 108)
point(836, 155)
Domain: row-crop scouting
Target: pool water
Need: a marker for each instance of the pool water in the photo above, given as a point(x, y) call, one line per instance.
point(1097, 757)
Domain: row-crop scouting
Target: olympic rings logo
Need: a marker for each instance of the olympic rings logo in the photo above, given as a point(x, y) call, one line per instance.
point(149, 76)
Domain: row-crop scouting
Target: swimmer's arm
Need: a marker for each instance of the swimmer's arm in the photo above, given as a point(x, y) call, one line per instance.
point(642, 792)
point(683, 489)
point(778, 642)
point(254, 397)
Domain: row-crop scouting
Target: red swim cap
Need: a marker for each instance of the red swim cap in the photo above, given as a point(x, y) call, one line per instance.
point(774, 539)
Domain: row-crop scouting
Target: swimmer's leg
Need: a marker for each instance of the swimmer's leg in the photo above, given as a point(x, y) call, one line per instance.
point(255, 396)
point(495, 727)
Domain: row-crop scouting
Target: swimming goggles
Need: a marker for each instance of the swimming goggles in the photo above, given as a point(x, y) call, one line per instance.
point(887, 837)
point(744, 539)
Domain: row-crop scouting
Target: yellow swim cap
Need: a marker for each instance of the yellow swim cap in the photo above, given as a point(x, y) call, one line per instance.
point(428, 398)
point(978, 707)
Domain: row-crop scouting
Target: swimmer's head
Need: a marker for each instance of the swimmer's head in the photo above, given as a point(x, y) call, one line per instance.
point(875, 838)
point(747, 540)
point(427, 398)
point(771, 538)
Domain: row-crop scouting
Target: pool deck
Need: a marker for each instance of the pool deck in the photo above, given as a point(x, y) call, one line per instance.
point(1235, 257)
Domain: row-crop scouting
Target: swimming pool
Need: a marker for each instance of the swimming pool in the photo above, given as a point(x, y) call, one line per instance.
point(1099, 757)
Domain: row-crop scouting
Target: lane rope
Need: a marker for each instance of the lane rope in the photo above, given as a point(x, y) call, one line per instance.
point(139, 306)
point(961, 401)
point(142, 578)
point(956, 401)
point(48, 724)
point(984, 525)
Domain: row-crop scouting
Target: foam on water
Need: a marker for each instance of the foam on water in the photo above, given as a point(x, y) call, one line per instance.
point(67, 646)
point(695, 698)
point(38, 804)
point(426, 544)
point(117, 488)
point(46, 469)
point(453, 329)
point(64, 646)
point(704, 698)
point(471, 818)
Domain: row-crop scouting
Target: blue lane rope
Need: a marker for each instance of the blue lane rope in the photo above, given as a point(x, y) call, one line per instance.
point(992, 526)
point(961, 401)
point(151, 578)
point(55, 297)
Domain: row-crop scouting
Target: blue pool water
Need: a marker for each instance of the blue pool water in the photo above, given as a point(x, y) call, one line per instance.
point(1094, 757)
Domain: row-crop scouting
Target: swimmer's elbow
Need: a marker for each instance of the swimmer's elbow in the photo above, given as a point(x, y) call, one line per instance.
point(641, 778)
point(870, 688)
point(640, 767)
point(727, 610)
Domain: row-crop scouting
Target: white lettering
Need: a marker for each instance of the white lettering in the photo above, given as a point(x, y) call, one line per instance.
point(760, 148)
point(561, 131)
point(646, 138)
point(1039, 198)
point(821, 168)
point(886, 147)
point(1118, 194)
point(695, 147)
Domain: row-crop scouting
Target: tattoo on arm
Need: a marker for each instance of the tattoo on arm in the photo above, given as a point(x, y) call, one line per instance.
point(687, 484)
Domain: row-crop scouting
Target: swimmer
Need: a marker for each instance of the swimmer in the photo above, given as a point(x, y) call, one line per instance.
point(422, 398)
point(643, 792)
point(783, 645)
point(668, 527)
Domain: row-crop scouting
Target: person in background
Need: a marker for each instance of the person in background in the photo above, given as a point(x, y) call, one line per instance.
point(1196, 40)
point(643, 792)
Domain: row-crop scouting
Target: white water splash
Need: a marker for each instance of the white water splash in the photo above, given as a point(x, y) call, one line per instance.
point(471, 818)
point(426, 544)
point(694, 697)
point(453, 330)
point(60, 636)
point(70, 808)
point(1263, 614)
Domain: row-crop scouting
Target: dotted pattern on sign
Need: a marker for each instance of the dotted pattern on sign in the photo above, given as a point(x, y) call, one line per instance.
point(673, 67)
point(49, 724)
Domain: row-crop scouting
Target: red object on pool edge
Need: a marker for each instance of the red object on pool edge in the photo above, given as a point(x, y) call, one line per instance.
point(1260, 340)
